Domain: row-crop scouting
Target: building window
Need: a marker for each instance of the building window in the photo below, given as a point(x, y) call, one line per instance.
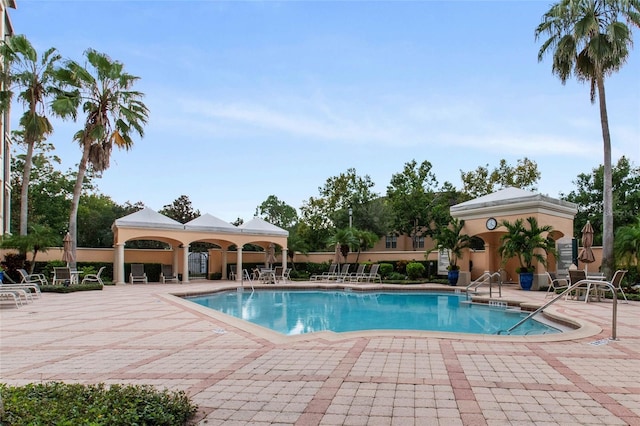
point(391, 242)
point(419, 242)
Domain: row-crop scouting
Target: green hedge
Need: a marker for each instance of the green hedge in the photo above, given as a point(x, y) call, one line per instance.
point(61, 404)
point(70, 288)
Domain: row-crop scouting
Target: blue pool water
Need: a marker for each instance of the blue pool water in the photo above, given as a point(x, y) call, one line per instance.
point(294, 312)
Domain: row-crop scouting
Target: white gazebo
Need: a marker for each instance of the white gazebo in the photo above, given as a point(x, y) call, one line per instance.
point(147, 224)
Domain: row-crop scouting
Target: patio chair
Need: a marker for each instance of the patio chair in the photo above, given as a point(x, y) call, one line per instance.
point(62, 275)
point(373, 275)
point(137, 274)
point(277, 272)
point(343, 275)
point(11, 296)
point(358, 274)
point(167, 275)
point(616, 282)
point(94, 278)
point(575, 276)
point(555, 284)
point(325, 276)
point(26, 277)
point(232, 272)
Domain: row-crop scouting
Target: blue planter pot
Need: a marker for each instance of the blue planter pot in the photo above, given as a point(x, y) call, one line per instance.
point(526, 280)
point(452, 276)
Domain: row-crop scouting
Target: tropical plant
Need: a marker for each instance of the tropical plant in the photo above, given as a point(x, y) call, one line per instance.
point(39, 239)
point(34, 77)
point(366, 240)
point(590, 39)
point(451, 239)
point(346, 239)
point(627, 246)
point(113, 113)
point(525, 243)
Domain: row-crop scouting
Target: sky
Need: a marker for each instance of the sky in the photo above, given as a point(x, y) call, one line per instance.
point(249, 99)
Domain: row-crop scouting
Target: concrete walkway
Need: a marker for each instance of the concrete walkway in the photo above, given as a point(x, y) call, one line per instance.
point(240, 374)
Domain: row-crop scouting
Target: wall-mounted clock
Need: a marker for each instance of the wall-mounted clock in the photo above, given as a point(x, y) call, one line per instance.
point(492, 223)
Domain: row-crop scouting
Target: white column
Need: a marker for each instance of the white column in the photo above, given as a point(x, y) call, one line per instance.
point(239, 264)
point(118, 264)
point(185, 263)
point(224, 263)
point(284, 259)
point(174, 260)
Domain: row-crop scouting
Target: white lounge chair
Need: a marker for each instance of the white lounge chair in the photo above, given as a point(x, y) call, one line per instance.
point(373, 275)
point(137, 274)
point(167, 275)
point(94, 278)
point(32, 278)
point(354, 277)
point(325, 276)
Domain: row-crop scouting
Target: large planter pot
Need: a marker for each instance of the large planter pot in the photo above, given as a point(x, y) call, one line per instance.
point(526, 280)
point(452, 276)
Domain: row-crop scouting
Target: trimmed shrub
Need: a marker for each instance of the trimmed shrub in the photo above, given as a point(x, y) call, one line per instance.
point(57, 403)
point(70, 288)
point(385, 270)
point(415, 270)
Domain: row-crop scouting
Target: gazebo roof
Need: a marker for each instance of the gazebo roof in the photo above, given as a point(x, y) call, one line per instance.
point(207, 222)
point(148, 218)
point(260, 226)
point(515, 200)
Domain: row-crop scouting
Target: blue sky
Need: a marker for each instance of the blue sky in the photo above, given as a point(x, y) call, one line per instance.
point(255, 98)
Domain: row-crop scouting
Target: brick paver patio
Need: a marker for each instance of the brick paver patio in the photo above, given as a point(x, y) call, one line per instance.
point(240, 374)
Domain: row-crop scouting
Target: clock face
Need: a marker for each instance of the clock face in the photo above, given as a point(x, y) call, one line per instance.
point(491, 224)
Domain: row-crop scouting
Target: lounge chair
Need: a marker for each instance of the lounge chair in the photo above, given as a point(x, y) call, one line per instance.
point(373, 275)
point(26, 277)
point(94, 278)
point(232, 272)
point(137, 274)
point(167, 275)
point(62, 276)
point(555, 284)
point(11, 296)
point(325, 276)
point(344, 273)
point(354, 277)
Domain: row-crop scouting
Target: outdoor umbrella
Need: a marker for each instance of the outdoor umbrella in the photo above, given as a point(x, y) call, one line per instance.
point(586, 254)
point(271, 255)
point(337, 254)
point(67, 253)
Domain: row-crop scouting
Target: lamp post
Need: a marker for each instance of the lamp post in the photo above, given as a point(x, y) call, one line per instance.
point(350, 216)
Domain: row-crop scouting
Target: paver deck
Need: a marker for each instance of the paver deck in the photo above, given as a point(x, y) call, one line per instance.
point(240, 374)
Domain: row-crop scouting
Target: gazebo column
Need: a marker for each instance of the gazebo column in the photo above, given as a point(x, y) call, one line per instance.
point(284, 259)
point(174, 260)
point(239, 264)
point(224, 263)
point(185, 263)
point(118, 264)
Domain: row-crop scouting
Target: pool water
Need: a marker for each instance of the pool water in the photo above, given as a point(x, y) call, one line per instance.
point(292, 312)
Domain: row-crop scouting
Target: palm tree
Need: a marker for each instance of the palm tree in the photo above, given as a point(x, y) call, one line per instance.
point(39, 239)
point(627, 246)
point(113, 112)
point(451, 239)
point(525, 243)
point(590, 40)
point(34, 78)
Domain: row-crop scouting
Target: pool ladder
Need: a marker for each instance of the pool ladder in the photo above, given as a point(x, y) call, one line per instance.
point(614, 319)
point(486, 278)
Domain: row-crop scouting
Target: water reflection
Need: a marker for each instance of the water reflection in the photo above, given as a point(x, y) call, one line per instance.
point(299, 311)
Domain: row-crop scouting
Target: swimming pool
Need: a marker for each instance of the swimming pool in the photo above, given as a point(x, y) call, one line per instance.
point(293, 312)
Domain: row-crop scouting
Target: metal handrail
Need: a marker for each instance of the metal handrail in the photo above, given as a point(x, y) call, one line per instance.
point(482, 279)
point(589, 283)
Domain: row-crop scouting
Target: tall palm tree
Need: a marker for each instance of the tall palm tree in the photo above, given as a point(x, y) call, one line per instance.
point(113, 113)
point(590, 39)
point(627, 246)
point(34, 77)
point(525, 242)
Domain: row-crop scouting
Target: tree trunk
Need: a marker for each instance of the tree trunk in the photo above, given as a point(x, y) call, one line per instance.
point(607, 189)
point(24, 191)
point(77, 191)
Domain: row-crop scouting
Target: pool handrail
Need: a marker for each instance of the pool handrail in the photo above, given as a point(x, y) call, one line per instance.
point(485, 278)
point(596, 283)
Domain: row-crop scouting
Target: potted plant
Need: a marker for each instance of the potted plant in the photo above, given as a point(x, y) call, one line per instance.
point(453, 241)
point(526, 243)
